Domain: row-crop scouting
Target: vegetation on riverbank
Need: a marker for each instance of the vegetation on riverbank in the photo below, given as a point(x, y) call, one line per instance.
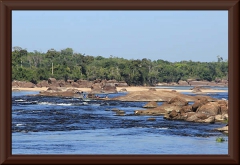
point(65, 64)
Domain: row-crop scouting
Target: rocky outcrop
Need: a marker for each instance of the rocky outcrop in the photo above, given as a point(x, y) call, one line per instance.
point(201, 111)
point(150, 112)
point(177, 108)
point(22, 84)
point(109, 85)
point(60, 92)
point(159, 95)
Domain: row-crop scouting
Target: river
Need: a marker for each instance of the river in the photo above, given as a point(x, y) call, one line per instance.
point(54, 125)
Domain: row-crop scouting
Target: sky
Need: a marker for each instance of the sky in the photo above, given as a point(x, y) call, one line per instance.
point(167, 35)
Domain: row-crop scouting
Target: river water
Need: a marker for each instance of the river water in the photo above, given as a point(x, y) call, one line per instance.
point(54, 125)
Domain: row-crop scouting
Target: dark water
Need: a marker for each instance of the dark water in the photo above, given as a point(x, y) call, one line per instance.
point(53, 125)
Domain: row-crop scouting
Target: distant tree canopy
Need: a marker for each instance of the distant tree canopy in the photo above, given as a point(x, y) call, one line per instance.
point(65, 64)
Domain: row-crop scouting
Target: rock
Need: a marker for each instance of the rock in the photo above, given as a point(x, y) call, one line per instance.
point(52, 80)
point(84, 83)
point(15, 84)
point(204, 97)
point(54, 89)
point(196, 89)
point(199, 117)
point(96, 88)
point(23, 84)
point(220, 118)
point(178, 101)
point(150, 112)
point(210, 119)
point(211, 108)
point(223, 102)
point(123, 90)
point(173, 114)
point(159, 95)
point(151, 119)
point(61, 83)
point(115, 109)
point(224, 109)
point(109, 88)
point(223, 129)
point(183, 83)
point(75, 85)
point(199, 103)
point(151, 104)
point(170, 107)
point(122, 84)
point(225, 116)
point(187, 108)
point(120, 112)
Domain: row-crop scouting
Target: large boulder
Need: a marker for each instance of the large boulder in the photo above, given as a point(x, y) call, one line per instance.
point(96, 88)
point(199, 117)
point(211, 108)
point(178, 101)
point(200, 102)
point(186, 109)
point(109, 88)
point(52, 80)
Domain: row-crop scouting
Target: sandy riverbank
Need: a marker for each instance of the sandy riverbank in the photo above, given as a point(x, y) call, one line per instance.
point(129, 89)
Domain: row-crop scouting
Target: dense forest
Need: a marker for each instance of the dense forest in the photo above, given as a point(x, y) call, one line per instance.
point(65, 64)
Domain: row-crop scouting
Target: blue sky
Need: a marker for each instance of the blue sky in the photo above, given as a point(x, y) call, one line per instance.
point(168, 35)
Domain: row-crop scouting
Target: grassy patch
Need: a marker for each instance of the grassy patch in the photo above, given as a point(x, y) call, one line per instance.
point(220, 139)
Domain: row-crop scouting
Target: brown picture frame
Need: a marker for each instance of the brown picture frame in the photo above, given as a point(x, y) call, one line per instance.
point(6, 6)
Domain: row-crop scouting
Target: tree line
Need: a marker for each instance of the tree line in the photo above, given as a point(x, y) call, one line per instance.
point(65, 64)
